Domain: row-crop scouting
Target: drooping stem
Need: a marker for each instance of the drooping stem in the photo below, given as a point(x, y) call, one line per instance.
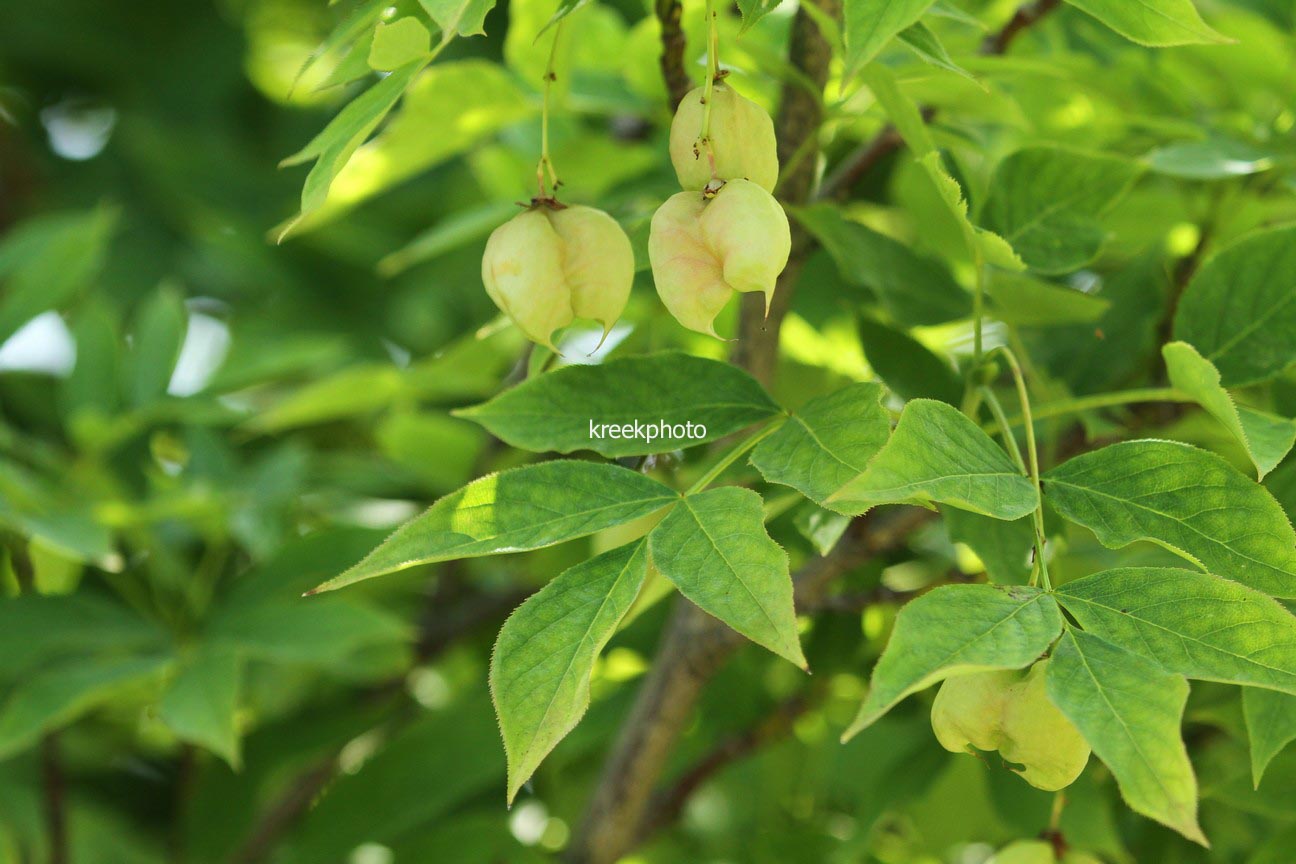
point(545, 167)
point(732, 456)
point(713, 70)
point(997, 411)
point(1032, 452)
point(1102, 400)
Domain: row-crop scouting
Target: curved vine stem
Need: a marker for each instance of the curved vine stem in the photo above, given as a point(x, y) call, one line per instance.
point(731, 456)
point(1032, 453)
point(545, 166)
point(713, 71)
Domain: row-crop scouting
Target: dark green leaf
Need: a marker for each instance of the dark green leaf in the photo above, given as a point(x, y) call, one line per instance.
point(713, 546)
point(1190, 501)
point(908, 367)
point(1046, 202)
point(1271, 725)
point(1157, 23)
point(937, 455)
point(1195, 624)
point(1239, 310)
point(159, 332)
point(914, 290)
point(955, 630)
point(540, 669)
point(59, 693)
point(1003, 547)
point(514, 511)
point(827, 442)
point(202, 700)
point(1267, 438)
point(47, 261)
point(1129, 710)
point(557, 410)
point(871, 24)
point(37, 630)
point(1211, 159)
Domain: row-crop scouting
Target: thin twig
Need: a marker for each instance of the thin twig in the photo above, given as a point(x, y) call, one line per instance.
point(870, 153)
point(678, 82)
point(286, 811)
point(799, 118)
point(668, 803)
point(694, 646)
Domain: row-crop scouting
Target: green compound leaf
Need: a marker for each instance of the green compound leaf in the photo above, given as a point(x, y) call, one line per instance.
point(1005, 548)
point(557, 411)
point(871, 24)
point(956, 630)
point(924, 42)
point(1155, 23)
point(1046, 202)
point(458, 17)
point(1271, 725)
point(1187, 500)
point(334, 146)
point(713, 546)
point(515, 511)
point(828, 442)
point(1267, 438)
point(937, 455)
point(754, 10)
point(398, 42)
point(1129, 709)
point(1028, 302)
point(201, 703)
point(545, 653)
point(1239, 310)
point(914, 290)
point(59, 693)
point(1195, 624)
point(909, 368)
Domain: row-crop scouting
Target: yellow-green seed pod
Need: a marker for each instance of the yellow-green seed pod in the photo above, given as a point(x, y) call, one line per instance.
point(1039, 737)
point(703, 250)
point(548, 266)
point(968, 710)
point(1025, 852)
point(742, 142)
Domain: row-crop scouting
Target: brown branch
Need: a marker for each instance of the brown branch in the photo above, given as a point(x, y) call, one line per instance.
point(678, 82)
point(286, 811)
point(997, 43)
point(668, 803)
point(799, 118)
point(867, 155)
point(53, 782)
point(694, 646)
point(55, 795)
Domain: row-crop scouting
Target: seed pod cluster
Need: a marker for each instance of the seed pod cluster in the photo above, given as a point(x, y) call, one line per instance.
point(552, 264)
point(725, 233)
point(1012, 713)
point(1038, 852)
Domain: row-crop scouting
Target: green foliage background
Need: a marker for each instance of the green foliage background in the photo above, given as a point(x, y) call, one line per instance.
point(215, 422)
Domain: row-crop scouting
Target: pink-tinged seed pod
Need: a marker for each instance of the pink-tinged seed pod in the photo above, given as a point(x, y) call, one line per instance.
point(550, 265)
point(742, 141)
point(703, 250)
